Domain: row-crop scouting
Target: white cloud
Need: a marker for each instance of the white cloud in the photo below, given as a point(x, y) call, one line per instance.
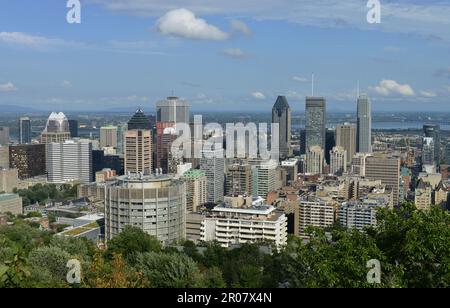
point(240, 26)
point(294, 95)
point(299, 79)
point(66, 84)
point(233, 53)
point(428, 19)
point(35, 42)
point(392, 87)
point(428, 93)
point(258, 95)
point(8, 87)
point(183, 23)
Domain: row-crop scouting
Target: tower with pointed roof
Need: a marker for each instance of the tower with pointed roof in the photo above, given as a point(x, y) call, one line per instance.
point(282, 115)
point(139, 121)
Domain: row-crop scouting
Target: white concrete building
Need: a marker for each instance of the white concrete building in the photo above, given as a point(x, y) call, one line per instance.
point(70, 161)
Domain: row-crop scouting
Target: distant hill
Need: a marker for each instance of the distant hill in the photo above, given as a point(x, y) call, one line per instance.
point(17, 109)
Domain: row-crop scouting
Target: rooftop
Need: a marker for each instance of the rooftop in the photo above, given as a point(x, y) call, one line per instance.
point(8, 197)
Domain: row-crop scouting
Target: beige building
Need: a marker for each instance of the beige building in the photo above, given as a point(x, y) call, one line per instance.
point(386, 169)
point(239, 179)
point(104, 175)
point(314, 160)
point(196, 191)
point(346, 138)
point(312, 213)
point(11, 203)
point(338, 160)
point(108, 137)
point(9, 179)
point(138, 151)
point(423, 195)
point(4, 157)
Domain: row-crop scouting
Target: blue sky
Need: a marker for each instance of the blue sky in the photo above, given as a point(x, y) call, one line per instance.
point(224, 54)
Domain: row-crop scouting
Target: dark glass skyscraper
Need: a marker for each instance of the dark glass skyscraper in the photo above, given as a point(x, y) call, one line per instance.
point(364, 125)
point(434, 131)
point(315, 122)
point(24, 130)
point(139, 121)
point(73, 128)
point(281, 115)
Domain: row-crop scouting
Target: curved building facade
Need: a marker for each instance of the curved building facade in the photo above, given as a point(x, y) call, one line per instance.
point(155, 204)
point(56, 129)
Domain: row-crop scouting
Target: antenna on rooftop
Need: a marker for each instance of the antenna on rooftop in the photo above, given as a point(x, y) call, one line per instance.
point(357, 89)
point(312, 85)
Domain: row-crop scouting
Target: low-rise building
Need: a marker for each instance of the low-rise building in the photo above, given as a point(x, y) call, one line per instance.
point(11, 203)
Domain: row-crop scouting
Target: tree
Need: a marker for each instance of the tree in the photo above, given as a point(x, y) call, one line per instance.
point(164, 270)
point(51, 259)
point(132, 241)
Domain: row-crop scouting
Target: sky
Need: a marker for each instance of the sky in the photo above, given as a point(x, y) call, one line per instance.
point(224, 55)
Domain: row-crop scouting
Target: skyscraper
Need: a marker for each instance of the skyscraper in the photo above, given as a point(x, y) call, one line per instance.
point(281, 115)
point(108, 137)
point(213, 165)
point(56, 129)
point(315, 122)
point(338, 160)
point(434, 131)
point(314, 160)
point(24, 130)
point(387, 170)
point(364, 126)
point(428, 157)
point(73, 128)
point(29, 159)
point(173, 109)
point(346, 138)
point(4, 135)
point(138, 151)
point(195, 189)
point(70, 161)
point(264, 177)
point(139, 121)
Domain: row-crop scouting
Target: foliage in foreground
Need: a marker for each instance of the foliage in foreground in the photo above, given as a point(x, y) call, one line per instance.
point(412, 246)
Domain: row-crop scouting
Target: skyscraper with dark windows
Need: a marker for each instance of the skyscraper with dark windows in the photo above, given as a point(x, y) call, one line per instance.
point(315, 122)
point(364, 125)
point(434, 131)
point(139, 121)
point(73, 128)
point(24, 130)
point(281, 115)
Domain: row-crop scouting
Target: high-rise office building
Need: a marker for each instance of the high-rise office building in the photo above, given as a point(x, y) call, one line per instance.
point(121, 129)
point(428, 151)
point(173, 109)
point(196, 189)
point(73, 128)
point(346, 138)
point(165, 137)
point(24, 130)
point(338, 161)
point(281, 115)
point(315, 122)
point(264, 175)
point(213, 164)
point(154, 204)
point(386, 169)
point(139, 121)
point(4, 135)
point(314, 160)
point(138, 151)
point(70, 161)
point(108, 137)
point(239, 179)
point(364, 125)
point(101, 161)
point(56, 129)
point(28, 159)
point(434, 131)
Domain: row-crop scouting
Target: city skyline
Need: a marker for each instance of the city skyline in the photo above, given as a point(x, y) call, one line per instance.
point(399, 63)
